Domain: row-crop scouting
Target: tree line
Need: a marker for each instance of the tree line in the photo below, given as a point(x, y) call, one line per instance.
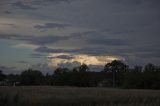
point(114, 74)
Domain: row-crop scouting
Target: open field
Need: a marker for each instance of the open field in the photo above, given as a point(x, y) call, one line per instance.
point(72, 96)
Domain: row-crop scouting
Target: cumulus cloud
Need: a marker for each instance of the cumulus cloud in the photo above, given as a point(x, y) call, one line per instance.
point(73, 60)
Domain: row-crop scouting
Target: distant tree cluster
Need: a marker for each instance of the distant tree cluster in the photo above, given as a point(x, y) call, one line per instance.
point(139, 78)
point(114, 74)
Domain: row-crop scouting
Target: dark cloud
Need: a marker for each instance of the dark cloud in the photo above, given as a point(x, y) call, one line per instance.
point(109, 41)
point(44, 49)
point(90, 37)
point(145, 52)
point(39, 40)
point(129, 2)
point(22, 5)
point(11, 36)
point(123, 32)
point(63, 57)
point(148, 54)
point(47, 26)
point(45, 39)
point(30, 4)
point(90, 51)
point(97, 38)
point(138, 2)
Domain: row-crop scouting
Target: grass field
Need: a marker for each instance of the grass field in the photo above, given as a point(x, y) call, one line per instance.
point(72, 96)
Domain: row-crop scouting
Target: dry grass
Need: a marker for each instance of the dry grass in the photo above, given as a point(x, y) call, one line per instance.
point(72, 96)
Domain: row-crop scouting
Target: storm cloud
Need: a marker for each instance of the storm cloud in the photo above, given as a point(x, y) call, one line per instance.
point(124, 28)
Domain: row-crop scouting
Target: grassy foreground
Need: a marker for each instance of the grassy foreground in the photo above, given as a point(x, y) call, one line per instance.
point(72, 96)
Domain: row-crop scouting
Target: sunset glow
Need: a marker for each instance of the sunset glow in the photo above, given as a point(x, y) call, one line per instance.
point(57, 59)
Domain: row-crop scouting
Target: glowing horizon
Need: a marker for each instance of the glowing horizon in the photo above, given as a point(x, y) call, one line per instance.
point(58, 59)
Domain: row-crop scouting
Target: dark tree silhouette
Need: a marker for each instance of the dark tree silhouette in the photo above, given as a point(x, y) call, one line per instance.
point(2, 76)
point(83, 68)
point(117, 68)
point(138, 68)
point(31, 77)
point(150, 67)
point(115, 74)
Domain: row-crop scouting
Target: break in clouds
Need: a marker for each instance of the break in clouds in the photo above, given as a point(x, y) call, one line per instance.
point(67, 33)
point(71, 61)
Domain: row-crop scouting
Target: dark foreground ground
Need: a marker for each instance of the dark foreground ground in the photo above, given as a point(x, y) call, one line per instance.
point(72, 96)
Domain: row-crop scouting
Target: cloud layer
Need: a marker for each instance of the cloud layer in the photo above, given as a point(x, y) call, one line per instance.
point(86, 29)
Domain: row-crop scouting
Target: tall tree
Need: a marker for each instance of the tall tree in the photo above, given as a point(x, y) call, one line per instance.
point(31, 77)
point(2, 76)
point(149, 67)
point(83, 68)
point(117, 68)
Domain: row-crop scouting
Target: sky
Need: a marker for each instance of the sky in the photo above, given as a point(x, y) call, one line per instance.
point(46, 34)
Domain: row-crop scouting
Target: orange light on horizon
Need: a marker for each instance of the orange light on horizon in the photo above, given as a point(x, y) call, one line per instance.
point(55, 60)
